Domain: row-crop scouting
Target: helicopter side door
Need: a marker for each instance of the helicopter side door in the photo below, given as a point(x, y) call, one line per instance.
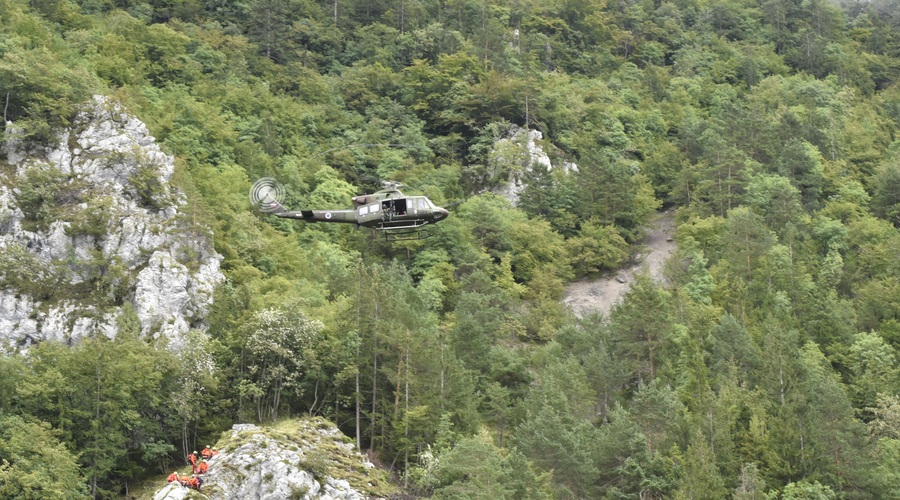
point(367, 215)
point(394, 209)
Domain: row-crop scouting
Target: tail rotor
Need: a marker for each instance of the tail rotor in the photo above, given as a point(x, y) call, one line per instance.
point(267, 194)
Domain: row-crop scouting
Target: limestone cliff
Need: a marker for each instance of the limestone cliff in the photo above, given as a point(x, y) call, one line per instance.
point(91, 230)
point(296, 459)
point(517, 155)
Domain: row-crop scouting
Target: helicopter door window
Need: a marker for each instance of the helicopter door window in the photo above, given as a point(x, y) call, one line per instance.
point(363, 211)
point(374, 208)
point(423, 205)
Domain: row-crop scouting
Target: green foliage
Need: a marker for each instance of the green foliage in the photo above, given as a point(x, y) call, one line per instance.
point(91, 395)
point(21, 270)
point(158, 453)
point(874, 367)
point(93, 218)
point(775, 200)
point(769, 125)
point(627, 465)
point(34, 463)
point(316, 464)
point(475, 468)
point(554, 433)
point(597, 248)
point(279, 344)
point(644, 339)
point(42, 90)
point(42, 193)
point(750, 485)
point(807, 490)
point(613, 191)
point(885, 428)
point(886, 199)
point(701, 476)
point(150, 190)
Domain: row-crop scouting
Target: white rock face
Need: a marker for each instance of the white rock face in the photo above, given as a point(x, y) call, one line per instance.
point(108, 159)
point(252, 464)
point(174, 491)
point(530, 154)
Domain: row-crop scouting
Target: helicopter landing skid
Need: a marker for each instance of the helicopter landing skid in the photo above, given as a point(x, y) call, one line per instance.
point(405, 234)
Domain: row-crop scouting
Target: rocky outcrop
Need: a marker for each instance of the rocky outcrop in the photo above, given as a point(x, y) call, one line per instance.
point(521, 151)
point(308, 458)
point(90, 225)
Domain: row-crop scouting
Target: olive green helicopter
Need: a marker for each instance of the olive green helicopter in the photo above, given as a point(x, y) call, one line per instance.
point(396, 215)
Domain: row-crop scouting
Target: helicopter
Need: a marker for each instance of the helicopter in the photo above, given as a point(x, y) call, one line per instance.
point(388, 210)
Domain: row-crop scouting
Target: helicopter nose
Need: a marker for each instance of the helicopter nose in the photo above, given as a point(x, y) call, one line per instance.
point(441, 214)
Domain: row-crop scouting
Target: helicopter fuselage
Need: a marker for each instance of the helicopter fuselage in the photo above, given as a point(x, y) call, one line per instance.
point(385, 210)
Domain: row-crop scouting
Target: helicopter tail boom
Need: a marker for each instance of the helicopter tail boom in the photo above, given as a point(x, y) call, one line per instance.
point(272, 208)
point(346, 216)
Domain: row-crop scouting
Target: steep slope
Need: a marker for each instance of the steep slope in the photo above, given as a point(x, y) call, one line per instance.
point(91, 232)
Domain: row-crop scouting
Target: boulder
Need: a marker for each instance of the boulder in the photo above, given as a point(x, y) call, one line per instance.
point(175, 491)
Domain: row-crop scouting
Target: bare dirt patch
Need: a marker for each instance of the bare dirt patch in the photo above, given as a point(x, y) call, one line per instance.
point(600, 295)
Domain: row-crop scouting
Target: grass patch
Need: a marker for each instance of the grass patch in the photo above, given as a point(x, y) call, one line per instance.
point(231, 441)
point(330, 454)
point(298, 492)
point(318, 465)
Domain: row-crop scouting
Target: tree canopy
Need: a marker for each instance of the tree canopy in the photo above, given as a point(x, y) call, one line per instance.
point(765, 365)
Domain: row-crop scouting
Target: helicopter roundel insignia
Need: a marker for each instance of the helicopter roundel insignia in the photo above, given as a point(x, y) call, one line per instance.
point(327, 215)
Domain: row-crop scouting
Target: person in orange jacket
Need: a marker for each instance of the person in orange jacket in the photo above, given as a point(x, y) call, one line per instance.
point(192, 458)
point(174, 477)
point(202, 467)
point(185, 481)
point(206, 453)
point(195, 483)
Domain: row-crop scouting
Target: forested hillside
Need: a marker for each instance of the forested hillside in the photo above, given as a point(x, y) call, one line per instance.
point(768, 364)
